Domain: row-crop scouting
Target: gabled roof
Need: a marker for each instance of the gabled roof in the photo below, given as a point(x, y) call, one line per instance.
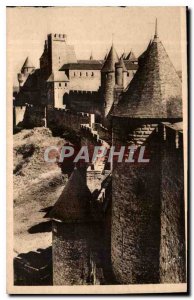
point(112, 58)
point(74, 202)
point(84, 65)
point(58, 76)
point(155, 91)
point(27, 64)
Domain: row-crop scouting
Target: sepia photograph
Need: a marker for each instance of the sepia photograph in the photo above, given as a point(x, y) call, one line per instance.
point(97, 150)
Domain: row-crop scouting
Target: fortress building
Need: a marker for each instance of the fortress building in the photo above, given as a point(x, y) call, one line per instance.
point(115, 222)
point(63, 81)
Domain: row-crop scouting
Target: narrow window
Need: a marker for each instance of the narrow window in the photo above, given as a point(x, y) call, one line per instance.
point(92, 74)
point(65, 83)
point(86, 73)
point(127, 74)
point(74, 74)
point(80, 74)
point(59, 84)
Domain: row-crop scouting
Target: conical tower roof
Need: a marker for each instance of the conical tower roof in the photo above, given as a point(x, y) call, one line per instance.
point(27, 64)
point(91, 56)
point(155, 91)
point(123, 55)
point(131, 56)
point(142, 56)
point(74, 202)
point(121, 64)
point(112, 58)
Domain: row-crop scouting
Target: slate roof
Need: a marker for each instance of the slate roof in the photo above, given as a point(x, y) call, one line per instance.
point(84, 65)
point(74, 203)
point(94, 65)
point(142, 56)
point(112, 58)
point(57, 76)
point(155, 91)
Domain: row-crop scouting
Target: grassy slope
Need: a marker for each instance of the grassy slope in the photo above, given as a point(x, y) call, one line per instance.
point(37, 186)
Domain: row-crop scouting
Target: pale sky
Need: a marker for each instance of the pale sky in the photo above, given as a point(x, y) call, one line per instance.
point(91, 29)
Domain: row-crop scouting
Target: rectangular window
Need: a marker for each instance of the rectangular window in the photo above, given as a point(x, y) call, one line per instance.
point(59, 84)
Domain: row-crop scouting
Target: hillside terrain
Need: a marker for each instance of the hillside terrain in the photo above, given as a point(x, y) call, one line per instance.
point(37, 186)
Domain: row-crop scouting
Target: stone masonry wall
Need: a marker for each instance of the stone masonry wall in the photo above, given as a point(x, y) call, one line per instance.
point(136, 220)
point(172, 247)
point(85, 101)
point(71, 254)
point(61, 120)
point(109, 91)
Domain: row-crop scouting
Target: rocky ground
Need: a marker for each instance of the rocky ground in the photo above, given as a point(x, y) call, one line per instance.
point(37, 186)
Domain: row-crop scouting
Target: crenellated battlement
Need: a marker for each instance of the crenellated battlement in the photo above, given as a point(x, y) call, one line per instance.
point(91, 134)
point(82, 92)
point(63, 119)
point(58, 36)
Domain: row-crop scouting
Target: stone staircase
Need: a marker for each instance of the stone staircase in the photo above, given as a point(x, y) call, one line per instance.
point(140, 134)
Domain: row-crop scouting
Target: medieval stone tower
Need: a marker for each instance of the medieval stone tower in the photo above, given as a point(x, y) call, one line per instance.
point(27, 69)
point(71, 233)
point(137, 238)
point(56, 53)
point(108, 79)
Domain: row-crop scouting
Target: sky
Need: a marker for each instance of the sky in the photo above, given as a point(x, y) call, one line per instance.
point(90, 29)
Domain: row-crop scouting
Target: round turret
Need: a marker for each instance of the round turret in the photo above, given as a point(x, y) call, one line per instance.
point(120, 69)
point(71, 233)
point(108, 79)
point(27, 67)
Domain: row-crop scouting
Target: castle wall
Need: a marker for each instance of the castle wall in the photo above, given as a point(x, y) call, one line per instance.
point(85, 80)
point(148, 231)
point(172, 249)
point(71, 253)
point(61, 52)
point(29, 116)
point(34, 116)
point(88, 102)
point(60, 120)
point(60, 88)
point(135, 232)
